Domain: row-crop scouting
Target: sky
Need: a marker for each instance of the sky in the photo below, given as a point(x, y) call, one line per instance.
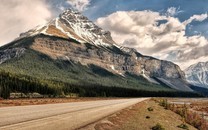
point(174, 30)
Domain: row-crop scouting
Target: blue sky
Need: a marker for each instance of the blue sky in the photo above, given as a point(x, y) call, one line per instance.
point(175, 30)
point(101, 8)
point(187, 8)
point(105, 7)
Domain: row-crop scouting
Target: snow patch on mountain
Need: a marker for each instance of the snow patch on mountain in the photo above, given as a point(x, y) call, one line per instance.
point(197, 74)
point(77, 27)
point(148, 78)
point(86, 29)
point(10, 53)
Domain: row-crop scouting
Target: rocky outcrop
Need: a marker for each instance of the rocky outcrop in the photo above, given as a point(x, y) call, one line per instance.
point(10, 53)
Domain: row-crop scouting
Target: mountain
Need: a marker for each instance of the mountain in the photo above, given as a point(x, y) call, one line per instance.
point(197, 74)
point(71, 49)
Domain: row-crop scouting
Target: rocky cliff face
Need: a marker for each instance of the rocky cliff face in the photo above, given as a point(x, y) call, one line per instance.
point(10, 53)
point(197, 74)
point(81, 41)
point(113, 59)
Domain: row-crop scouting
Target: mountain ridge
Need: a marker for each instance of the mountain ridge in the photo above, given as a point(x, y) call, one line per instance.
point(197, 74)
point(73, 38)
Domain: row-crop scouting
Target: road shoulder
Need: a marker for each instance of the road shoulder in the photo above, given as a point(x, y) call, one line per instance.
point(139, 117)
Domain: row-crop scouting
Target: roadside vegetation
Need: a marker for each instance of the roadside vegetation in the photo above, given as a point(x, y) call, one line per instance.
point(188, 116)
point(146, 115)
point(158, 127)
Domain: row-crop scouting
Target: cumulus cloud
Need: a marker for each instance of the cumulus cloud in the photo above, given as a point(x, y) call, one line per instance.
point(18, 16)
point(79, 5)
point(157, 35)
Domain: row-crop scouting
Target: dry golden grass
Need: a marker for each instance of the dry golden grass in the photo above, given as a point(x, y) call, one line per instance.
point(200, 106)
point(135, 118)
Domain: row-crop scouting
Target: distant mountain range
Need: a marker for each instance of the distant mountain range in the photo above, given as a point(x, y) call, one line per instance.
point(197, 74)
point(72, 49)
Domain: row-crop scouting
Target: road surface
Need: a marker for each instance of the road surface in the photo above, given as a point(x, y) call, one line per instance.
point(62, 116)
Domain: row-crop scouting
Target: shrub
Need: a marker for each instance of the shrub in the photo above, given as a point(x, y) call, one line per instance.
point(150, 109)
point(190, 117)
point(183, 126)
point(147, 117)
point(196, 120)
point(164, 103)
point(158, 127)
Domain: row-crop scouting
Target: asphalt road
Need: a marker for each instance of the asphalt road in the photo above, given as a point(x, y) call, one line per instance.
point(62, 116)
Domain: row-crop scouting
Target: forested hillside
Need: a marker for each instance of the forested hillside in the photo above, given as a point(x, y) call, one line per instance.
point(13, 83)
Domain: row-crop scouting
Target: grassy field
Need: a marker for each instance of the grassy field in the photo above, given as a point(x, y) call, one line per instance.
point(196, 104)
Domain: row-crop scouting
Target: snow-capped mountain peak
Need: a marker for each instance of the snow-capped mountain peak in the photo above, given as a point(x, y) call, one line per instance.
point(197, 74)
point(72, 24)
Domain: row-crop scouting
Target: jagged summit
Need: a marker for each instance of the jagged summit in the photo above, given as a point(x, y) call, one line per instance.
point(72, 24)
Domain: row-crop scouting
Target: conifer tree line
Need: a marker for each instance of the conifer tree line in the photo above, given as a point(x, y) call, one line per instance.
point(12, 83)
point(25, 84)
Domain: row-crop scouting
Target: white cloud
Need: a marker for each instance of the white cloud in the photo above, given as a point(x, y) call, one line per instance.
point(151, 33)
point(186, 63)
point(80, 5)
point(172, 11)
point(62, 8)
point(200, 18)
point(18, 16)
